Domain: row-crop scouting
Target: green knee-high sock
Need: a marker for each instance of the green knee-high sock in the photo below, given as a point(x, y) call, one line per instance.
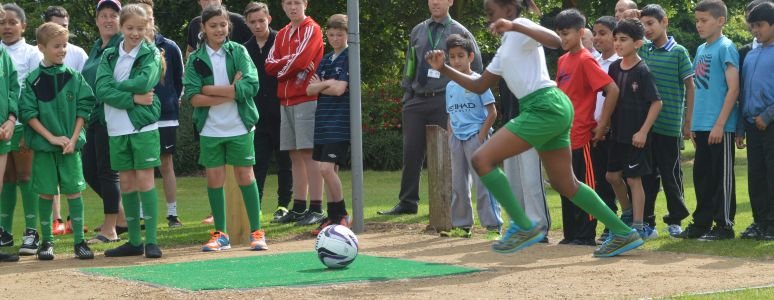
point(30, 203)
point(150, 206)
point(44, 209)
point(252, 204)
point(218, 206)
point(498, 184)
point(7, 206)
point(131, 203)
point(589, 201)
point(76, 217)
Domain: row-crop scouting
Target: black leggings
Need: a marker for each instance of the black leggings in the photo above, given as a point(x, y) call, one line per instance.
point(96, 168)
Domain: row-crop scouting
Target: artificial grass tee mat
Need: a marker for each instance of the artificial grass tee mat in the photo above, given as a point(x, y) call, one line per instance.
point(288, 269)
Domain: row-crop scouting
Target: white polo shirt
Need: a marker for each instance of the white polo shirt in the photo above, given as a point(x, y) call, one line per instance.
point(118, 122)
point(25, 58)
point(521, 62)
point(605, 64)
point(75, 58)
point(223, 119)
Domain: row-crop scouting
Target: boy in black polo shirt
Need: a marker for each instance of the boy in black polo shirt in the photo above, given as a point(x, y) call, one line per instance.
point(633, 115)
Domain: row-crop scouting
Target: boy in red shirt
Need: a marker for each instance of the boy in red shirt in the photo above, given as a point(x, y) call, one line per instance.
point(294, 58)
point(580, 77)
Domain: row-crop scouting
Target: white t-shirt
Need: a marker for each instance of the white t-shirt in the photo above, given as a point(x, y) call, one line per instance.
point(223, 119)
point(118, 122)
point(75, 57)
point(25, 58)
point(521, 62)
point(605, 64)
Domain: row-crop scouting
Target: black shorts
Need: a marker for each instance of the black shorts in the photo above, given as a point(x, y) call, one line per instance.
point(337, 153)
point(630, 160)
point(168, 139)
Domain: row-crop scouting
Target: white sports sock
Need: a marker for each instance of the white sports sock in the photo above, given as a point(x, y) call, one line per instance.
point(172, 209)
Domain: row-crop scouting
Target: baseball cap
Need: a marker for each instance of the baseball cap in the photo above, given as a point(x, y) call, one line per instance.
point(115, 4)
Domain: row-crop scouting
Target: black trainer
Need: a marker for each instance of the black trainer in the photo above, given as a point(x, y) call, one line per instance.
point(753, 232)
point(767, 235)
point(173, 221)
point(46, 251)
point(152, 251)
point(279, 213)
point(311, 218)
point(718, 233)
point(8, 257)
point(125, 250)
point(291, 217)
point(82, 251)
point(693, 231)
point(6, 239)
point(30, 242)
point(584, 242)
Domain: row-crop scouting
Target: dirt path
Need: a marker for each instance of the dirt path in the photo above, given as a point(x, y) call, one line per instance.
point(540, 272)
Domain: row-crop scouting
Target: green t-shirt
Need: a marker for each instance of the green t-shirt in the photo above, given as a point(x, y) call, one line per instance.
point(670, 65)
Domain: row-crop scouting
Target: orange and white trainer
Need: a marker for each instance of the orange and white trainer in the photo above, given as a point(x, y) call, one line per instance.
point(58, 227)
point(258, 241)
point(218, 241)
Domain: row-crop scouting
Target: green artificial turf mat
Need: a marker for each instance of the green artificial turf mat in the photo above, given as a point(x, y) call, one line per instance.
point(289, 269)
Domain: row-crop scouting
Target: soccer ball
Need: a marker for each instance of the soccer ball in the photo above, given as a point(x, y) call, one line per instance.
point(336, 246)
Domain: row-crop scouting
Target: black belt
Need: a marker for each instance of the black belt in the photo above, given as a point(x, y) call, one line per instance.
point(429, 94)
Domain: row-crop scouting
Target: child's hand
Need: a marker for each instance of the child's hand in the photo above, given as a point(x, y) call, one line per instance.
point(69, 148)
point(482, 137)
point(599, 133)
point(237, 77)
point(7, 129)
point(61, 141)
point(716, 135)
point(501, 26)
point(436, 59)
point(144, 99)
point(314, 79)
point(687, 133)
point(639, 139)
point(760, 124)
point(740, 142)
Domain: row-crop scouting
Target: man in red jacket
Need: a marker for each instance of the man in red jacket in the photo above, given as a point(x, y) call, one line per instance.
point(298, 49)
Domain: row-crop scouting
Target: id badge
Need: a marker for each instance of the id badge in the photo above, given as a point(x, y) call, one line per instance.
point(432, 73)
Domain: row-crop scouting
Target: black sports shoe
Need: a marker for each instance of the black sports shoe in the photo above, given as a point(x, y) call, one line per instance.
point(82, 251)
point(30, 242)
point(152, 251)
point(718, 233)
point(311, 218)
point(402, 208)
point(6, 239)
point(279, 213)
point(291, 217)
point(752, 232)
point(693, 231)
point(125, 250)
point(767, 235)
point(46, 251)
point(584, 242)
point(8, 257)
point(174, 221)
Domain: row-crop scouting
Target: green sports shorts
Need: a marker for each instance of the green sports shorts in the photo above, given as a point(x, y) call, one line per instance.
point(234, 150)
point(53, 169)
point(544, 120)
point(136, 151)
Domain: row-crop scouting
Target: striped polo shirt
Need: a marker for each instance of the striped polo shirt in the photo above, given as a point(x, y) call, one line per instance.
point(670, 65)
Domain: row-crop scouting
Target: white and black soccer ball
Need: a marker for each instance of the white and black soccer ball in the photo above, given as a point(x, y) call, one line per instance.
point(336, 246)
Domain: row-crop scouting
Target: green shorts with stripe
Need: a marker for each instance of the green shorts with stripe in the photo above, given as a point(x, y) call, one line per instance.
point(54, 169)
point(136, 151)
point(234, 150)
point(544, 120)
point(18, 134)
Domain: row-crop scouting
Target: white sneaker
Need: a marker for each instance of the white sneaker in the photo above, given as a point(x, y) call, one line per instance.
point(674, 230)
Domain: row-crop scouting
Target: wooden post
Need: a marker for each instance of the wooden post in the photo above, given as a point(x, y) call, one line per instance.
point(439, 177)
point(237, 224)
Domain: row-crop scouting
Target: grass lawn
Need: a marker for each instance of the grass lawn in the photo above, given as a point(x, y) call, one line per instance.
point(754, 293)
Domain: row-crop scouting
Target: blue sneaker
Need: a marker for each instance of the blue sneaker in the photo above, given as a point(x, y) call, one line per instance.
point(516, 238)
point(617, 244)
point(218, 241)
point(674, 230)
point(647, 232)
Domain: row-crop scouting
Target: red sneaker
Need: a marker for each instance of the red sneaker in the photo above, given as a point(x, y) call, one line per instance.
point(58, 227)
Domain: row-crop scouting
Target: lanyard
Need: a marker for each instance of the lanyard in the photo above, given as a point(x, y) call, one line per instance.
point(434, 44)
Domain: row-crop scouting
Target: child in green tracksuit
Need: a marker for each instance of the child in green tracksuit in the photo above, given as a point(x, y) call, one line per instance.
point(9, 95)
point(220, 82)
point(126, 77)
point(54, 103)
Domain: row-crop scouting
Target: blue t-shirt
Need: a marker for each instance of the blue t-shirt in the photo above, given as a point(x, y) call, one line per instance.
point(467, 110)
point(331, 120)
point(710, 80)
point(758, 97)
